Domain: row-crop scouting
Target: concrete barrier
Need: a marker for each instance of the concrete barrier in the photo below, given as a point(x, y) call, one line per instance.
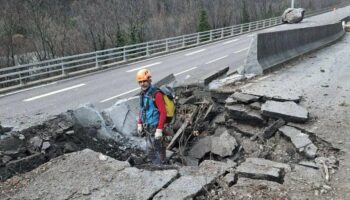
point(268, 50)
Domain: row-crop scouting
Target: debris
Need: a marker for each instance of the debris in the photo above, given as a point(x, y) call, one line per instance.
point(182, 128)
point(271, 130)
point(102, 157)
point(245, 114)
point(256, 106)
point(230, 179)
point(244, 98)
point(288, 111)
point(254, 171)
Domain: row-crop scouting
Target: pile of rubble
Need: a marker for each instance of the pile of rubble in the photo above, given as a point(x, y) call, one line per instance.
point(223, 139)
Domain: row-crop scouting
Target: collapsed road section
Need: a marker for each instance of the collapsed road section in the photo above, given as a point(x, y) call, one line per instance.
point(224, 138)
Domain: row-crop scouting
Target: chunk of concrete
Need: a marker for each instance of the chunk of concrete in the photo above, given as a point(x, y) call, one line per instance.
point(244, 98)
point(194, 180)
point(245, 114)
point(35, 143)
point(288, 111)
point(122, 116)
point(254, 171)
point(202, 147)
point(310, 151)
point(90, 119)
point(269, 163)
point(256, 106)
point(298, 138)
point(186, 187)
point(223, 145)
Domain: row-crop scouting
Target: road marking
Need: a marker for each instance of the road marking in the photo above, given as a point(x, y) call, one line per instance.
point(146, 66)
point(228, 42)
point(271, 29)
point(119, 95)
point(216, 60)
point(251, 35)
point(185, 71)
point(241, 50)
point(194, 52)
point(54, 92)
point(23, 90)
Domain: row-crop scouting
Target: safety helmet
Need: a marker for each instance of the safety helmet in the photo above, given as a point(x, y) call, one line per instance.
point(143, 75)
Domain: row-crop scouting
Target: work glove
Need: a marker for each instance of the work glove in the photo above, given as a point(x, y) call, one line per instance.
point(159, 134)
point(139, 129)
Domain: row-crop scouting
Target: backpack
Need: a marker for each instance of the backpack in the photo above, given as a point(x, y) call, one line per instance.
point(168, 97)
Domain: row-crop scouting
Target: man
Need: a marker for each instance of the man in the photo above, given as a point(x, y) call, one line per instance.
point(152, 117)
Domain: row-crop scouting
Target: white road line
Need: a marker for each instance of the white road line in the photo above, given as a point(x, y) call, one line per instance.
point(54, 92)
point(185, 71)
point(241, 50)
point(119, 95)
point(194, 52)
point(18, 91)
point(150, 65)
point(251, 35)
point(228, 42)
point(216, 60)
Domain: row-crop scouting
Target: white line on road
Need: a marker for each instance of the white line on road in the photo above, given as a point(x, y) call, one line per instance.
point(185, 71)
point(194, 52)
point(228, 42)
point(216, 60)
point(119, 95)
point(18, 91)
point(251, 35)
point(54, 92)
point(239, 51)
point(150, 65)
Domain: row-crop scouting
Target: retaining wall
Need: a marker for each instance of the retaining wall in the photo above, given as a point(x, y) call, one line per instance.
point(271, 49)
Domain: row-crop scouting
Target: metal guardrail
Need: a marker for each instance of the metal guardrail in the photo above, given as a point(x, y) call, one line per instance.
point(62, 67)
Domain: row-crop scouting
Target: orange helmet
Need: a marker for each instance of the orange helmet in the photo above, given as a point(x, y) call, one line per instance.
point(143, 75)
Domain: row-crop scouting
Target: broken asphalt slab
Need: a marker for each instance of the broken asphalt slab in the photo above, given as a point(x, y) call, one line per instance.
point(257, 168)
point(85, 174)
point(195, 181)
point(300, 140)
point(288, 111)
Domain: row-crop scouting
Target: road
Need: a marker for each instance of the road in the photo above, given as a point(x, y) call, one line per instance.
point(104, 88)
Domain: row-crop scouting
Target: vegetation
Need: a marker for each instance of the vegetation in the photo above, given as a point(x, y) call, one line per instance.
point(44, 29)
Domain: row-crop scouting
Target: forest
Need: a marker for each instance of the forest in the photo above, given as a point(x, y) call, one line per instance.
point(45, 29)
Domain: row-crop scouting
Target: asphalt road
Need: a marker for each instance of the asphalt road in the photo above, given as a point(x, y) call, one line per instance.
point(104, 88)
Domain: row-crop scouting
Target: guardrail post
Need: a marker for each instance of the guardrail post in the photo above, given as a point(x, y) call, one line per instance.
point(96, 60)
point(241, 31)
point(249, 27)
point(124, 55)
point(232, 31)
point(183, 41)
point(222, 32)
point(211, 35)
point(20, 79)
point(147, 49)
point(198, 36)
point(62, 68)
point(166, 45)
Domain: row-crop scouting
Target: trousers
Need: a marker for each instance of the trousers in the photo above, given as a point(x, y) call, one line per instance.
point(156, 150)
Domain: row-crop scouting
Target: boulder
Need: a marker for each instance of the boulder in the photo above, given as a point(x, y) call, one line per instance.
point(293, 15)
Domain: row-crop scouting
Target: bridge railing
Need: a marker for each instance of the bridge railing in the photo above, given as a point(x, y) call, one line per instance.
point(71, 65)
